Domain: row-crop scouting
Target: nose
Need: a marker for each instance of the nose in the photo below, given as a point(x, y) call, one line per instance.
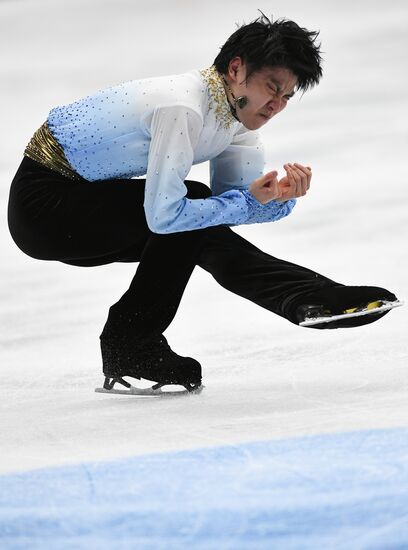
point(278, 104)
point(275, 105)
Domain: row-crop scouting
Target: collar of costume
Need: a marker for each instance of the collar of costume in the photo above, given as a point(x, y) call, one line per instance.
point(218, 97)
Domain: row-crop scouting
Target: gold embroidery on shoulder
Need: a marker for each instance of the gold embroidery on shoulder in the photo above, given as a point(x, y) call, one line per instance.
point(45, 149)
point(218, 98)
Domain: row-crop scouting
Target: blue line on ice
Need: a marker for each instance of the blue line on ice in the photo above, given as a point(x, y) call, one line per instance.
point(347, 490)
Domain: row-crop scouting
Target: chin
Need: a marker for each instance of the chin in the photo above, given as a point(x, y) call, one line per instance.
point(254, 125)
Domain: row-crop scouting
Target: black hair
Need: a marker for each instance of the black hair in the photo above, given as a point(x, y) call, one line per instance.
point(282, 43)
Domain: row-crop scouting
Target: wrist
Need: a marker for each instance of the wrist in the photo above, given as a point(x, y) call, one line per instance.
point(272, 210)
point(255, 198)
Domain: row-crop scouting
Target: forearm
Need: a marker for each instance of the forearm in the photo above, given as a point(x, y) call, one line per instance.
point(234, 207)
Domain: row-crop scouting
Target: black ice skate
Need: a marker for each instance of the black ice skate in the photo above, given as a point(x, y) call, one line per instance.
point(151, 359)
point(347, 306)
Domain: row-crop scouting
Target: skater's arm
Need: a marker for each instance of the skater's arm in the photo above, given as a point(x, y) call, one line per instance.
point(237, 167)
point(175, 131)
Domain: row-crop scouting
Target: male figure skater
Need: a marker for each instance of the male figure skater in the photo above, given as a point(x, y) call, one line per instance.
point(75, 198)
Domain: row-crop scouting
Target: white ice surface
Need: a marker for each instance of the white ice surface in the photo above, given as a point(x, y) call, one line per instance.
point(264, 377)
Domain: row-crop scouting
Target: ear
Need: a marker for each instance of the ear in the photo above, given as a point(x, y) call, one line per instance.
point(234, 66)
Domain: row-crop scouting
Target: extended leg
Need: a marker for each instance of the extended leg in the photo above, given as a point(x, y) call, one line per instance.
point(277, 285)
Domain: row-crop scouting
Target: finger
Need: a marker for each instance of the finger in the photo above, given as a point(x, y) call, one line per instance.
point(272, 191)
point(297, 176)
point(263, 180)
point(271, 174)
point(303, 181)
point(291, 180)
point(275, 191)
point(307, 170)
point(268, 178)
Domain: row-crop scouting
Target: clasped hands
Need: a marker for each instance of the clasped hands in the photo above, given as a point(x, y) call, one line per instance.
point(295, 184)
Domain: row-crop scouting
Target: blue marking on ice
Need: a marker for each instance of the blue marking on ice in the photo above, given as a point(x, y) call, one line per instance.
point(336, 491)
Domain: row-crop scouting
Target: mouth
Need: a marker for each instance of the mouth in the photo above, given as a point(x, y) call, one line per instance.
point(265, 117)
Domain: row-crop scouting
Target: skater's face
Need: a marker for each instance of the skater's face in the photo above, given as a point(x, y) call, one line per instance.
point(267, 92)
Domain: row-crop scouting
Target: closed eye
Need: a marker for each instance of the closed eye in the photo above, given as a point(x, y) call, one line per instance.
point(274, 90)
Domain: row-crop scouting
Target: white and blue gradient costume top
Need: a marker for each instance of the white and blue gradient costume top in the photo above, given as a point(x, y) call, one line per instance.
point(158, 128)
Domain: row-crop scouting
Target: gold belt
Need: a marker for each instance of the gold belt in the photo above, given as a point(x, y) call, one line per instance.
point(45, 149)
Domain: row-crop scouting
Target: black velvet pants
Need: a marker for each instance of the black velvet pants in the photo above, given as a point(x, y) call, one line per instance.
point(86, 223)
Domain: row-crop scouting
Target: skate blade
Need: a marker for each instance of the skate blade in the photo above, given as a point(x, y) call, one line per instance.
point(318, 320)
point(133, 390)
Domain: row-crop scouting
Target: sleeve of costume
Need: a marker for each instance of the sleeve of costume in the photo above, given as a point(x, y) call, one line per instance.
point(174, 132)
point(237, 167)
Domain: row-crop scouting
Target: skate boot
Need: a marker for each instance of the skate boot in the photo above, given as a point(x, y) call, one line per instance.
point(151, 359)
point(345, 306)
